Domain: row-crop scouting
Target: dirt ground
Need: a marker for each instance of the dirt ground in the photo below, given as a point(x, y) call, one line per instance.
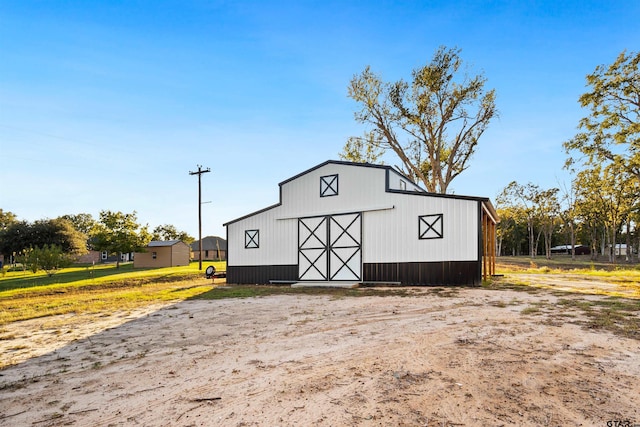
point(462, 357)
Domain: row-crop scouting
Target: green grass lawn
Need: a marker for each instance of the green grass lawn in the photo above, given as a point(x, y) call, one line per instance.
point(80, 276)
point(82, 289)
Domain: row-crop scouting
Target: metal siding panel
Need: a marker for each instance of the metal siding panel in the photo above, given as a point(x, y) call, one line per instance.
point(392, 235)
point(261, 274)
point(386, 272)
point(368, 271)
point(423, 273)
point(278, 240)
point(358, 188)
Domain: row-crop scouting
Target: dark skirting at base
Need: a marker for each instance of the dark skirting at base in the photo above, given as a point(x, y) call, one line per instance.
point(424, 273)
point(261, 274)
point(406, 273)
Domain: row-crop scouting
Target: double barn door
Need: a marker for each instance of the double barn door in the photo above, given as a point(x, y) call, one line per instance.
point(330, 247)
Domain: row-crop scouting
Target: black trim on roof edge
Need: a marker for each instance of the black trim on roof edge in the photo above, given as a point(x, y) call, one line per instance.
point(335, 162)
point(252, 214)
point(367, 165)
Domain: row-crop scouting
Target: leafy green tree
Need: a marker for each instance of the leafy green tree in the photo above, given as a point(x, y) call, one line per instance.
point(547, 211)
point(59, 232)
point(23, 258)
point(611, 131)
point(522, 198)
point(608, 196)
point(169, 232)
point(432, 123)
point(539, 207)
point(6, 219)
point(362, 149)
point(590, 210)
point(14, 238)
point(632, 234)
point(569, 214)
point(22, 235)
point(83, 222)
point(511, 231)
point(49, 258)
point(117, 232)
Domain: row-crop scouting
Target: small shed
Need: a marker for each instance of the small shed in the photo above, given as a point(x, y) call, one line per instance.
point(363, 223)
point(169, 253)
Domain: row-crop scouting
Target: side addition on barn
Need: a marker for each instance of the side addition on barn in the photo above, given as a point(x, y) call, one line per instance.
point(342, 221)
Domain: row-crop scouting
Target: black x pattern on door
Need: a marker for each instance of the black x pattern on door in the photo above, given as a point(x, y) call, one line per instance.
point(345, 248)
point(329, 248)
point(312, 248)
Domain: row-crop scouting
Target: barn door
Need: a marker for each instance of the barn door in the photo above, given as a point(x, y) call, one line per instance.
point(345, 247)
point(330, 248)
point(312, 248)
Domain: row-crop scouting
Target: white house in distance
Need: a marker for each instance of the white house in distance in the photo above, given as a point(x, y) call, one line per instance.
point(362, 223)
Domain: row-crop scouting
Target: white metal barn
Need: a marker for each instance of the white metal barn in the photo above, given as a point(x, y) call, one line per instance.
point(362, 223)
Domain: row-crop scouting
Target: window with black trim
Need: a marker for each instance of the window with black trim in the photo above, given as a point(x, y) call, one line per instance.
point(154, 255)
point(251, 239)
point(430, 226)
point(329, 185)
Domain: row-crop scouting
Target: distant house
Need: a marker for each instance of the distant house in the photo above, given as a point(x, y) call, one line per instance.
point(124, 257)
point(566, 249)
point(213, 248)
point(170, 253)
point(95, 257)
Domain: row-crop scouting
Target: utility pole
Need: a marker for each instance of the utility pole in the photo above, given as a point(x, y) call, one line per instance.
point(199, 173)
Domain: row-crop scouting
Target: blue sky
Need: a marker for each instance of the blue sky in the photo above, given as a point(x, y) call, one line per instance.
point(110, 104)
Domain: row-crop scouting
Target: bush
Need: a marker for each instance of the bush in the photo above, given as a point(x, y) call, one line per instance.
point(49, 258)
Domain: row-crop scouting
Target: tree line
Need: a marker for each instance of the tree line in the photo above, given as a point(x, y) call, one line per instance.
point(51, 244)
point(600, 208)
